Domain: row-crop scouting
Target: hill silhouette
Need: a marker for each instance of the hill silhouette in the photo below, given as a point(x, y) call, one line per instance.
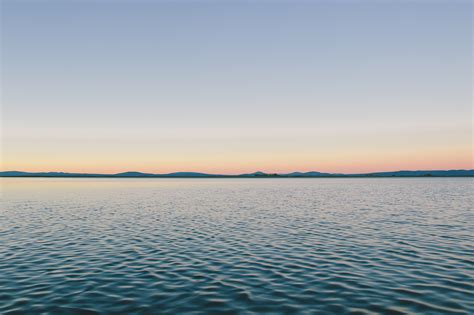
point(259, 174)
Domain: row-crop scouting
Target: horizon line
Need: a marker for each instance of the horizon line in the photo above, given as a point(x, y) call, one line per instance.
point(235, 174)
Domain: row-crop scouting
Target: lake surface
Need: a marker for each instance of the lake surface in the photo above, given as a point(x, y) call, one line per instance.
point(243, 246)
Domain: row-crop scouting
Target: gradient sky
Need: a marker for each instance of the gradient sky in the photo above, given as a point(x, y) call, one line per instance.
point(236, 86)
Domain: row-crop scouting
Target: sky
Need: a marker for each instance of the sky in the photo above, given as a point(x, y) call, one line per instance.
point(236, 86)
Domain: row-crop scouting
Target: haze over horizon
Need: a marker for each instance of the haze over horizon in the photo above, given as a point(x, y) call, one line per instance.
point(236, 87)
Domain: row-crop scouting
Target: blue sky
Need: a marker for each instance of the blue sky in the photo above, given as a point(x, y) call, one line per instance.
point(236, 85)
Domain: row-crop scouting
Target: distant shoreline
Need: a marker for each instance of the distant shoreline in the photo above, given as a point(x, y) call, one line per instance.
point(395, 174)
point(238, 177)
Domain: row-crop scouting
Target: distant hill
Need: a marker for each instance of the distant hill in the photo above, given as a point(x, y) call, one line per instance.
point(132, 174)
point(257, 174)
point(436, 173)
point(48, 174)
point(432, 173)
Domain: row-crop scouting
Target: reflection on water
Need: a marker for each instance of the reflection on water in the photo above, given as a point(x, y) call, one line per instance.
point(237, 246)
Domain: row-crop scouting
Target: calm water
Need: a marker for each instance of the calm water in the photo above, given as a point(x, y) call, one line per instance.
point(175, 246)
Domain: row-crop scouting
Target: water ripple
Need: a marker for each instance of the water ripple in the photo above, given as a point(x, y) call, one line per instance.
point(184, 246)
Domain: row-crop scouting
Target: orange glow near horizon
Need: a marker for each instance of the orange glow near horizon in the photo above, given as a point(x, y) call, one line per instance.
point(350, 162)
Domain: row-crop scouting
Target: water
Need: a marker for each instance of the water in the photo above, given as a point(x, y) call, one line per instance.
point(243, 246)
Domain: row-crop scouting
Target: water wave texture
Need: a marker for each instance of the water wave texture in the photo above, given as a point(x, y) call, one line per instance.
point(236, 246)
